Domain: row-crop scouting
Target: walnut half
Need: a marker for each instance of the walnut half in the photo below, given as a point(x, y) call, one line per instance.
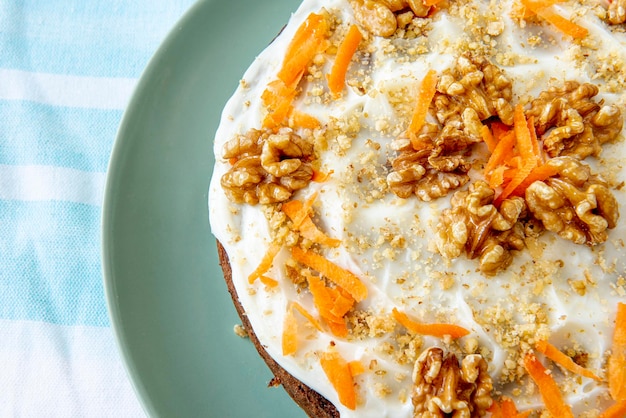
point(267, 167)
point(443, 388)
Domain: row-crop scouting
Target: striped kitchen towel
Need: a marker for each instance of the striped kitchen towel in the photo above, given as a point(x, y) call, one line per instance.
point(67, 70)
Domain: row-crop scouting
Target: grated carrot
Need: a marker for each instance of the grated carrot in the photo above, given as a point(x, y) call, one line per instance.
point(266, 262)
point(356, 367)
point(306, 43)
point(425, 95)
point(617, 410)
point(488, 138)
point(501, 153)
point(563, 360)
point(544, 10)
point(505, 408)
point(538, 173)
point(338, 275)
point(321, 177)
point(278, 100)
point(299, 119)
point(290, 333)
point(307, 315)
point(348, 46)
point(338, 372)
point(617, 361)
point(564, 25)
point(325, 300)
point(436, 330)
point(550, 393)
point(431, 2)
point(268, 281)
point(293, 209)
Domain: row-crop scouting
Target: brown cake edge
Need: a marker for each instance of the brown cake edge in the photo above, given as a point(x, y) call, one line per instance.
point(314, 404)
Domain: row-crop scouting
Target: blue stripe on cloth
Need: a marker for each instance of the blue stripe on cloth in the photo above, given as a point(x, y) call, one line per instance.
point(51, 268)
point(82, 37)
point(39, 134)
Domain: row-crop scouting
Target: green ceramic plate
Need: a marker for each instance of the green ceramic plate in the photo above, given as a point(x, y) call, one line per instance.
point(169, 306)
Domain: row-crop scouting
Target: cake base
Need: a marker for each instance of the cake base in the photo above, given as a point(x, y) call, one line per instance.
point(314, 404)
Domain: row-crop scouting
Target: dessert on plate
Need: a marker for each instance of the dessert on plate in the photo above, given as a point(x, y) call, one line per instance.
point(417, 207)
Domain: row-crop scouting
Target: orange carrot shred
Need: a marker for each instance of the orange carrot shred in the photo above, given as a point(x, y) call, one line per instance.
point(503, 148)
point(617, 410)
point(564, 25)
point(347, 48)
point(431, 2)
point(488, 138)
point(321, 177)
point(425, 95)
point(307, 315)
point(293, 209)
point(563, 360)
point(436, 330)
point(530, 123)
point(338, 275)
point(538, 173)
point(303, 120)
point(550, 393)
point(521, 175)
point(324, 299)
point(523, 137)
point(338, 372)
point(617, 361)
point(290, 333)
point(356, 367)
point(266, 262)
point(305, 44)
point(496, 410)
point(268, 281)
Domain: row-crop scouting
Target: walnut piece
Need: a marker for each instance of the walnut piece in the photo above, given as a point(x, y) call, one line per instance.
point(470, 92)
point(572, 123)
point(268, 167)
point(475, 226)
point(617, 12)
point(443, 388)
point(383, 17)
point(575, 205)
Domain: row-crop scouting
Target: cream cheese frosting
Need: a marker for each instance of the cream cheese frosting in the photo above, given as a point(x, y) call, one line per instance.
point(553, 289)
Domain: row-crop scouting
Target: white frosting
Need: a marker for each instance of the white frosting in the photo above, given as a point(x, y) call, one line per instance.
point(586, 321)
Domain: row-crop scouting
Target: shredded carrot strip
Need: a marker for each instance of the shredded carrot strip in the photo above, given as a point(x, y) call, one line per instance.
point(356, 367)
point(293, 209)
point(550, 393)
point(436, 330)
point(347, 48)
point(338, 275)
point(290, 333)
point(266, 262)
point(324, 299)
point(523, 136)
point(617, 410)
point(425, 95)
point(506, 409)
point(307, 315)
point(496, 410)
point(303, 120)
point(564, 25)
point(544, 10)
point(563, 360)
point(431, 2)
point(268, 281)
point(617, 361)
point(277, 99)
point(306, 43)
point(321, 177)
point(503, 148)
point(488, 138)
point(499, 130)
point(338, 372)
point(534, 140)
point(538, 173)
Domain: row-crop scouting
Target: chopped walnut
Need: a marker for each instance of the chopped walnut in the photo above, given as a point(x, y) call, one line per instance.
point(572, 123)
point(472, 91)
point(383, 17)
point(617, 12)
point(268, 167)
point(443, 388)
point(575, 205)
point(475, 226)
